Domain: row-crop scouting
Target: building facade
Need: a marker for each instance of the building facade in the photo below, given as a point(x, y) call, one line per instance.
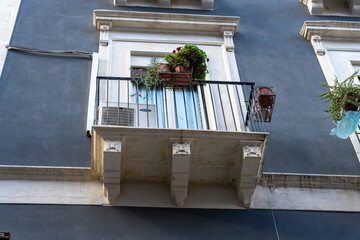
point(83, 146)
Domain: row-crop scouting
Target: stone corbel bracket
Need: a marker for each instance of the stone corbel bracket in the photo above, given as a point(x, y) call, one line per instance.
point(318, 47)
point(249, 173)
point(104, 28)
point(228, 39)
point(111, 165)
point(180, 171)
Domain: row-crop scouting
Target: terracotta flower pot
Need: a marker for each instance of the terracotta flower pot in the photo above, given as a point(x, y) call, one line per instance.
point(266, 99)
point(165, 72)
point(183, 76)
point(350, 106)
point(266, 113)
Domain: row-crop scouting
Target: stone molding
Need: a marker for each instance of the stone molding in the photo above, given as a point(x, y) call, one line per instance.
point(166, 21)
point(318, 181)
point(228, 40)
point(317, 44)
point(316, 31)
point(331, 29)
point(317, 7)
point(195, 4)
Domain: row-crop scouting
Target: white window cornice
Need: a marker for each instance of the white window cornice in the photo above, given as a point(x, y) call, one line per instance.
point(333, 7)
point(182, 4)
point(166, 21)
point(330, 29)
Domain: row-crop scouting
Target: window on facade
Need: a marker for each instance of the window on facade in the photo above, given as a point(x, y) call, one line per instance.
point(127, 42)
point(337, 47)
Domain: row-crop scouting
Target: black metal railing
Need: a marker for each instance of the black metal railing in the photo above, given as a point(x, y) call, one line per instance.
point(206, 105)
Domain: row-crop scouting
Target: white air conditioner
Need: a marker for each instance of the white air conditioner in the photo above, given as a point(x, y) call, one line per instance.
point(123, 114)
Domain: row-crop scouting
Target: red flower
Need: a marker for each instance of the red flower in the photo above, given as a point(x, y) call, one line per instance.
point(201, 68)
point(178, 48)
point(139, 94)
point(171, 59)
point(174, 51)
point(192, 54)
point(207, 59)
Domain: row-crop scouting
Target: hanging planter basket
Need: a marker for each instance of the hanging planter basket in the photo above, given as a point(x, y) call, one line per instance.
point(264, 103)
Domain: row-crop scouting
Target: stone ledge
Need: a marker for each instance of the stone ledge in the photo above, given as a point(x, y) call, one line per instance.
point(45, 173)
point(319, 181)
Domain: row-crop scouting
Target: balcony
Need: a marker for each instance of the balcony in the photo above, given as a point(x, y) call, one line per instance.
point(199, 145)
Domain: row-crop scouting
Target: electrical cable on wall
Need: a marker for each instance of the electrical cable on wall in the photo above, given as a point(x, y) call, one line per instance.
point(70, 53)
point(272, 211)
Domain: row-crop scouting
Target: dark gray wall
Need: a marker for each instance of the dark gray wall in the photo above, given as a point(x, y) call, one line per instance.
point(43, 100)
point(83, 222)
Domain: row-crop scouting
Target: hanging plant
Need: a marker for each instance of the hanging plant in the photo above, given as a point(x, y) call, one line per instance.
point(343, 96)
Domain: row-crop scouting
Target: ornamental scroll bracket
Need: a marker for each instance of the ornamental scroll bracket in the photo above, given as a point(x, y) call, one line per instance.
point(228, 41)
point(317, 44)
point(104, 33)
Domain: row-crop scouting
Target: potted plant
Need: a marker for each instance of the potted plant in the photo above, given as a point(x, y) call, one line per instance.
point(343, 96)
point(147, 79)
point(265, 96)
point(188, 62)
point(265, 101)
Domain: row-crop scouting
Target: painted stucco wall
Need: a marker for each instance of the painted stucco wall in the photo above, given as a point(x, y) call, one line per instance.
point(83, 222)
point(8, 13)
point(44, 99)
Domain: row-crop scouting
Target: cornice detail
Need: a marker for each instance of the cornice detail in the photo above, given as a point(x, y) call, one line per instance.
point(330, 29)
point(321, 7)
point(194, 4)
point(166, 21)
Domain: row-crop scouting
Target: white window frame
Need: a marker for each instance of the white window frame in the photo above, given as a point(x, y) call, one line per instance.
point(337, 47)
point(141, 27)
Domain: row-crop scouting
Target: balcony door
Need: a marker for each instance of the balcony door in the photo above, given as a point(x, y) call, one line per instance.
point(175, 107)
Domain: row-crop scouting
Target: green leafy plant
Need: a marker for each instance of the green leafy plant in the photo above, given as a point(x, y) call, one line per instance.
point(151, 77)
point(146, 81)
point(191, 57)
point(340, 94)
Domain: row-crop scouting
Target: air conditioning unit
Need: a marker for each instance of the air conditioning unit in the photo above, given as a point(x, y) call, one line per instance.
point(123, 114)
